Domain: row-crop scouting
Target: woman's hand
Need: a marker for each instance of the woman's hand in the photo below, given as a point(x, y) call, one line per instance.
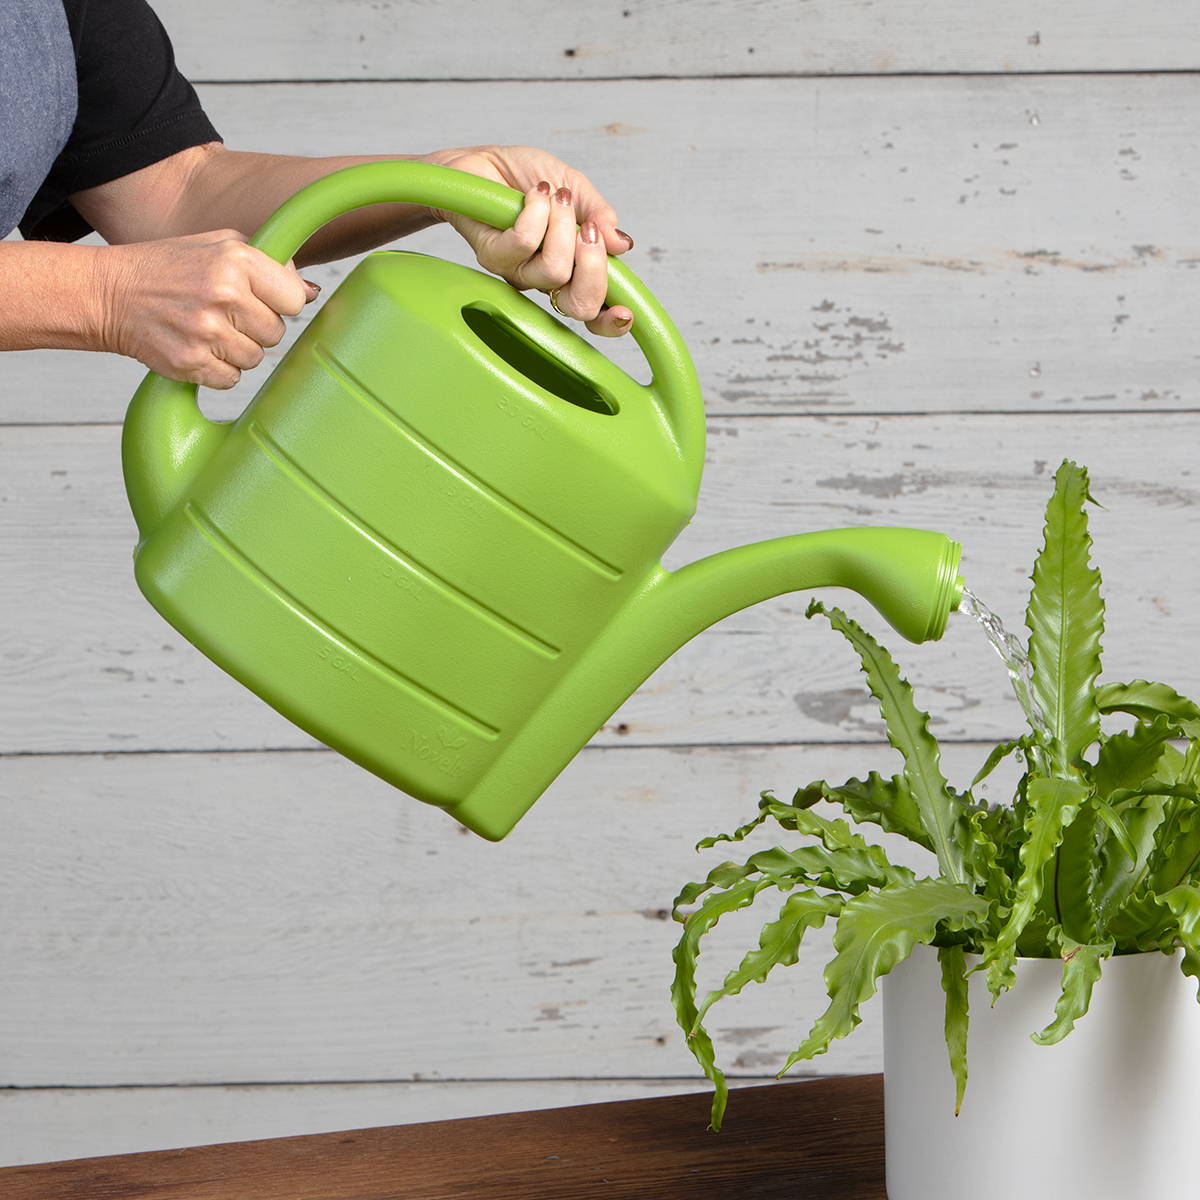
point(544, 249)
point(200, 308)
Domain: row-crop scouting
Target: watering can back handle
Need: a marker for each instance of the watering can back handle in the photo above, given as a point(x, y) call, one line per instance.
point(163, 417)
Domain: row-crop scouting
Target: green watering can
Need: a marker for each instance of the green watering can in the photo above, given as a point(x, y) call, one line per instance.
point(433, 538)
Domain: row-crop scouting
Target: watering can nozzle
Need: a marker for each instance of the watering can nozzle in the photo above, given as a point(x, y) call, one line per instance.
point(949, 596)
point(910, 576)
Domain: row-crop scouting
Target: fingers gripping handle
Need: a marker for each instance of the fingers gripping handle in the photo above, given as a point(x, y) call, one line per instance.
point(674, 384)
point(166, 439)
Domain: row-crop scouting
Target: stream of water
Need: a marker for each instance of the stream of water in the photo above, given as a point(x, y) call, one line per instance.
point(1014, 657)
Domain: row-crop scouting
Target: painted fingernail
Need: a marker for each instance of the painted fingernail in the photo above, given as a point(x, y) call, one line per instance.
point(544, 188)
point(626, 237)
point(621, 322)
point(316, 287)
point(563, 195)
point(589, 233)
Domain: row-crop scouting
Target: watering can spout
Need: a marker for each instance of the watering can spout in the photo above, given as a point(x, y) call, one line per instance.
point(909, 575)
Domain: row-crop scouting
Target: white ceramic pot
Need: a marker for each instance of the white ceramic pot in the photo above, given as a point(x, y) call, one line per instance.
point(1112, 1112)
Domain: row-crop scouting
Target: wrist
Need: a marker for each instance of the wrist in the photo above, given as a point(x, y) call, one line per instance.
point(104, 299)
point(50, 297)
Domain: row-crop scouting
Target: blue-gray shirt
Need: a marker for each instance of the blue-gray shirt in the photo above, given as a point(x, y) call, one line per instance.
point(38, 98)
point(89, 92)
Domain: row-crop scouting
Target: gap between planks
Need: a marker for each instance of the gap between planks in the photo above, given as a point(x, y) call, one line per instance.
point(789, 414)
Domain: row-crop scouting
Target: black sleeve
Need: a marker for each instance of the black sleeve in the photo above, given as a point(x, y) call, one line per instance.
point(135, 109)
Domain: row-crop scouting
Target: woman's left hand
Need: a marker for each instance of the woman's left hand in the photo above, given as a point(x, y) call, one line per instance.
point(561, 241)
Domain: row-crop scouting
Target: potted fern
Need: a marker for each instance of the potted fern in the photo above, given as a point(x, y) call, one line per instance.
point(1092, 868)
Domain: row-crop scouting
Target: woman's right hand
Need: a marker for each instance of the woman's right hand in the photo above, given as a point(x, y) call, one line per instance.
point(199, 309)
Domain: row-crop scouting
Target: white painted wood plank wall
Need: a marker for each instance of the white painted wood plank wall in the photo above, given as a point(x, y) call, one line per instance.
point(921, 252)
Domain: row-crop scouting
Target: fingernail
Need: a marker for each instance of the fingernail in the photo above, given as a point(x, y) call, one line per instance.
point(563, 195)
point(626, 237)
point(316, 287)
point(589, 233)
point(544, 188)
point(622, 321)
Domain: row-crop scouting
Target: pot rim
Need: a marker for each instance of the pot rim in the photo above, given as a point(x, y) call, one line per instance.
point(970, 954)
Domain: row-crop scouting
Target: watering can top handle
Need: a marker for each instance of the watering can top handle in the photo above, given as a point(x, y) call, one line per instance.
point(674, 381)
point(165, 437)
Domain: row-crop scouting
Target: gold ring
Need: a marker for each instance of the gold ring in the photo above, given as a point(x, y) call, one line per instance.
point(554, 302)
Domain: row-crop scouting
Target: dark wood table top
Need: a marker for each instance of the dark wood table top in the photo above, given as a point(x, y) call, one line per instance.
point(809, 1140)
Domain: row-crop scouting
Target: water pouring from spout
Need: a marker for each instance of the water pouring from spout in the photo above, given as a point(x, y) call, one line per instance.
point(1015, 658)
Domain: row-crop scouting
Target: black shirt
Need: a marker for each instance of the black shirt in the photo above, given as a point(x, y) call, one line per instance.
point(135, 109)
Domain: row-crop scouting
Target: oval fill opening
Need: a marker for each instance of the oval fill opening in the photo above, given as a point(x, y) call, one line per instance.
point(529, 358)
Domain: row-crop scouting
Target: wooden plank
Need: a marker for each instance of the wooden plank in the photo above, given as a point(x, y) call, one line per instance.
point(923, 244)
point(243, 918)
point(40, 1125)
point(90, 667)
point(826, 1137)
point(614, 39)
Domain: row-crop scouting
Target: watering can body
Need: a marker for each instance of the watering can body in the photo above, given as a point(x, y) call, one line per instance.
point(433, 539)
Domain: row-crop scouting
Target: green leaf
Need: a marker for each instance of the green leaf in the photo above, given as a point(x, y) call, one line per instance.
point(849, 869)
point(1127, 760)
point(683, 986)
point(1081, 968)
point(1184, 904)
point(1142, 923)
point(723, 875)
point(1035, 940)
point(832, 832)
point(887, 803)
point(1071, 874)
point(954, 984)
point(778, 943)
point(1120, 867)
point(876, 931)
point(1065, 617)
point(1174, 767)
point(941, 814)
point(998, 755)
point(986, 857)
point(1116, 826)
point(766, 804)
point(1182, 768)
point(1179, 846)
point(739, 834)
point(1001, 823)
point(1052, 806)
point(1146, 700)
point(841, 861)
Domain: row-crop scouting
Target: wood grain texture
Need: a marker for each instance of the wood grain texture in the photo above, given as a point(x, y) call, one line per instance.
point(821, 1140)
point(175, 918)
point(616, 39)
point(874, 246)
point(89, 666)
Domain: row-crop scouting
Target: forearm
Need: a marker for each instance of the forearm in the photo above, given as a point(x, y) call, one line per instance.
point(237, 189)
point(51, 296)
